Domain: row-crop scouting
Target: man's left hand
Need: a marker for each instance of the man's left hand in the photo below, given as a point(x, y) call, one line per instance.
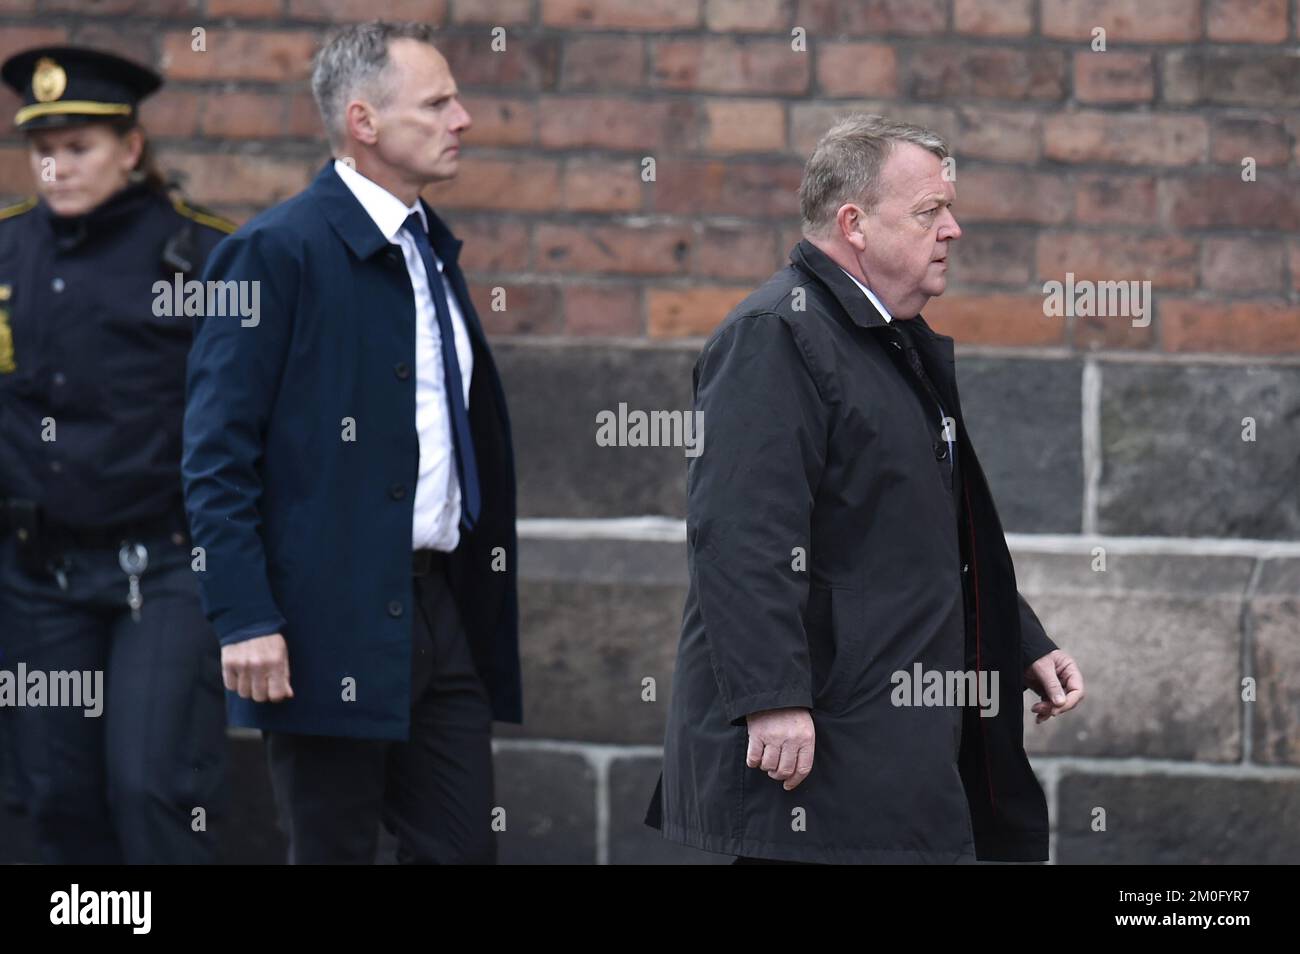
point(1058, 682)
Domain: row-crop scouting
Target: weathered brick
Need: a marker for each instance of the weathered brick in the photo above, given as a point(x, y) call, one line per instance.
point(1264, 139)
point(1005, 135)
point(1115, 199)
point(621, 14)
point(244, 115)
point(994, 319)
point(857, 69)
point(16, 38)
point(1225, 201)
point(690, 311)
point(525, 308)
point(996, 194)
point(15, 173)
point(112, 36)
point(1113, 77)
point(275, 56)
point(1126, 138)
point(602, 185)
point(1106, 333)
point(304, 117)
point(145, 8)
point(1246, 21)
point(426, 11)
point(991, 256)
point(809, 121)
point(239, 179)
point(1125, 21)
point(944, 72)
point(603, 62)
point(747, 16)
point(492, 12)
point(1165, 261)
point(744, 125)
point(872, 17)
point(529, 62)
point(514, 185)
point(614, 249)
point(172, 111)
point(500, 120)
point(1231, 77)
point(1242, 264)
point(1295, 264)
point(993, 17)
point(1244, 327)
point(728, 65)
point(610, 310)
point(492, 244)
point(246, 9)
point(737, 187)
point(735, 252)
point(612, 122)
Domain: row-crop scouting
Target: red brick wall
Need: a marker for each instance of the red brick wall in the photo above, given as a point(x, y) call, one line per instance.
point(1117, 165)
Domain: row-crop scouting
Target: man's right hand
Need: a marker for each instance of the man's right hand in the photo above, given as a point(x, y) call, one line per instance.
point(781, 744)
point(258, 668)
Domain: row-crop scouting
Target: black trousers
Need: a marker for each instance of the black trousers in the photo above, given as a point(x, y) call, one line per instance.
point(432, 792)
point(142, 781)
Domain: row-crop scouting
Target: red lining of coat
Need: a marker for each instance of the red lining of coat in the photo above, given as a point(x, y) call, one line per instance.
point(975, 571)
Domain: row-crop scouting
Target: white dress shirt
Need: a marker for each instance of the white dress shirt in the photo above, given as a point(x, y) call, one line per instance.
point(870, 294)
point(437, 490)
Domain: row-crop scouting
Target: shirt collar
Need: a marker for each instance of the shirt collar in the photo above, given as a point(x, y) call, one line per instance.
point(870, 294)
point(386, 209)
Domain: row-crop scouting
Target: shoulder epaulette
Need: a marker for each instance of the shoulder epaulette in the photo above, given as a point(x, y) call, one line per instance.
point(203, 216)
point(18, 208)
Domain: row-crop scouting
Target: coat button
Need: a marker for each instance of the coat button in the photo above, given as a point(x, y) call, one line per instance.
point(57, 285)
point(59, 379)
point(965, 567)
point(401, 370)
point(941, 450)
point(394, 609)
point(397, 491)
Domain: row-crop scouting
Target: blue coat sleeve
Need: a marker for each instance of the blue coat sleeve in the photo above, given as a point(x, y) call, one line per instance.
point(233, 376)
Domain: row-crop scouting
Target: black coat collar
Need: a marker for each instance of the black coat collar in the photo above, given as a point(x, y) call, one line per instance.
point(815, 263)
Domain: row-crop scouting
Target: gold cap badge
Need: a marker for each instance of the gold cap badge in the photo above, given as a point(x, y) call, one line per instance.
point(48, 81)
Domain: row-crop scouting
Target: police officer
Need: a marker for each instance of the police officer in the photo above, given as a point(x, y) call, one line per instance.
point(96, 573)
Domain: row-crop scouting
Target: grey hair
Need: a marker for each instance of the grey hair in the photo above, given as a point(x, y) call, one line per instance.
point(352, 63)
point(845, 166)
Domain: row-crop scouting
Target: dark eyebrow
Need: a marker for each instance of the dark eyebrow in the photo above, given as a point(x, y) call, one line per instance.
point(934, 197)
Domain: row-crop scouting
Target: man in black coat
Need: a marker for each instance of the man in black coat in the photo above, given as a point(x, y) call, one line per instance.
point(851, 592)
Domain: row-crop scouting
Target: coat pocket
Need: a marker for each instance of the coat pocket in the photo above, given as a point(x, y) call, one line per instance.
point(834, 626)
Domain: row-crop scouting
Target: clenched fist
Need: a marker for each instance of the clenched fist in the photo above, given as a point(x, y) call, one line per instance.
point(258, 668)
point(781, 744)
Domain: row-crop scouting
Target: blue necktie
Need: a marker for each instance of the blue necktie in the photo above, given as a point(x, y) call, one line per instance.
point(463, 441)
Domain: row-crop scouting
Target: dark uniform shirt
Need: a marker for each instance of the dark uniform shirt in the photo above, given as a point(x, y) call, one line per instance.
point(92, 382)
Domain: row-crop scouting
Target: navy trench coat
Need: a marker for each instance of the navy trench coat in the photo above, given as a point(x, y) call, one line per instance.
point(819, 442)
point(305, 532)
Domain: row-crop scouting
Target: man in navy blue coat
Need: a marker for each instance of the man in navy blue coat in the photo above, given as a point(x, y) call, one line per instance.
point(349, 477)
